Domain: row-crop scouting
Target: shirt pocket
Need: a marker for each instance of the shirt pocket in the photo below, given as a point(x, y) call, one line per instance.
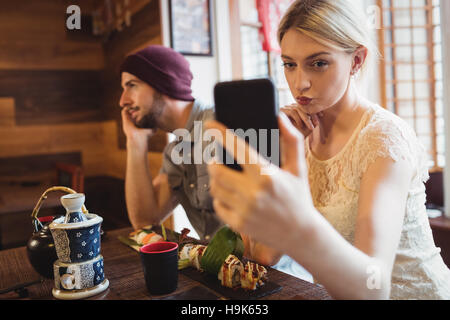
point(190, 185)
point(203, 188)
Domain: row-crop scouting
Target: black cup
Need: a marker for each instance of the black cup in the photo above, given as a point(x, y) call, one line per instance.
point(160, 264)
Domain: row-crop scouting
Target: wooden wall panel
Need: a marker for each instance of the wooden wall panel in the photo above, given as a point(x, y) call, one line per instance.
point(95, 141)
point(33, 44)
point(33, 36)
point(52, 97)
point(65, 55)
point(84, 138)
point(30, 20)
point(7, 112)
point(33, 165)
point(18, 141)
point(144, 28)
point(59, 94)
point(87, 6)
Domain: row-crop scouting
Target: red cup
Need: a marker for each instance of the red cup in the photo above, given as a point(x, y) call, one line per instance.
point(160, 265)
point(159, 247)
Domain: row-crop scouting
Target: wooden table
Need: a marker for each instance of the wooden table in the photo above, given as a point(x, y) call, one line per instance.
point(123, 269)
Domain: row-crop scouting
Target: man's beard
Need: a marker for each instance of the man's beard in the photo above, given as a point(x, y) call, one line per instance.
point(151, 120)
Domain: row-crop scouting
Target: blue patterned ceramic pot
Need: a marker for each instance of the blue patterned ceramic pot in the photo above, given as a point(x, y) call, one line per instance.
point(79, 241)
point(78, 276)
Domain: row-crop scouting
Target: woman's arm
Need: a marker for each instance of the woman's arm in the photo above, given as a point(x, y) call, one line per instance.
point(362, 271)
point(260, 253)
point(278, 211)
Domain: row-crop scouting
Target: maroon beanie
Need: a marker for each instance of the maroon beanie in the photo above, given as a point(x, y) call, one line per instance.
point(164, 69)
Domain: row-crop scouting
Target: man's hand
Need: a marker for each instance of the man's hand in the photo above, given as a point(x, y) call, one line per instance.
point(135, 135)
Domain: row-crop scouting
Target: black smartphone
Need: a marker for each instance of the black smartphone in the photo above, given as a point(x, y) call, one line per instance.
point(250, 108)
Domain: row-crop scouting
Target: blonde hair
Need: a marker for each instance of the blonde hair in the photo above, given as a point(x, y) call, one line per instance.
point(334, 23)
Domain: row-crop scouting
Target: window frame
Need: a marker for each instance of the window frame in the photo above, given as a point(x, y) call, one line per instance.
point(430, 62)
point(445, 26)
point(236, 46)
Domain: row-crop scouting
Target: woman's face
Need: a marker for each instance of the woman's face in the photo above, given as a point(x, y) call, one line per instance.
point(318, 76)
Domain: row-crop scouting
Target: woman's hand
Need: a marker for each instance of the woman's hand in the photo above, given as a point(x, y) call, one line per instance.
point(304, 122)
point(260, 253)
point(272, 209)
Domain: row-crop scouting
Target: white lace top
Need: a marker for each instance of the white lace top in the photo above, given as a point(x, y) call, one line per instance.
point(419, 271)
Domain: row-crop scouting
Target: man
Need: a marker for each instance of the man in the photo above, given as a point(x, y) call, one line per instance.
point(157, 93)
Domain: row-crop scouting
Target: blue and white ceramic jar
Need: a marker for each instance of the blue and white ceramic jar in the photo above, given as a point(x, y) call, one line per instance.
point(77, 276)
point(77, 242)
point(79, 269)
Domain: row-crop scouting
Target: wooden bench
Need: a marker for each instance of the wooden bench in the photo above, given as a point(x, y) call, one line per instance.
point(440, 225)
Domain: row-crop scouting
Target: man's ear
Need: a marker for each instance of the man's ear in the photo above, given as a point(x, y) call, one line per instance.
point(359, 57)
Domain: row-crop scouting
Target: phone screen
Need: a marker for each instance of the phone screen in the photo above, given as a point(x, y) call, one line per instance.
point(250, 108)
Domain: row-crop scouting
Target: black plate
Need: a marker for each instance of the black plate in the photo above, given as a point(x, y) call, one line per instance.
point(235, 294)
point(195, 293)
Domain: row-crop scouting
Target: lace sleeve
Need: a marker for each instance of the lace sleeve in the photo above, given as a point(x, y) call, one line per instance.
point(394, 139)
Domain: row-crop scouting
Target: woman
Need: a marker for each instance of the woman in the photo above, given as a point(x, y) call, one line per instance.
point(353, 214)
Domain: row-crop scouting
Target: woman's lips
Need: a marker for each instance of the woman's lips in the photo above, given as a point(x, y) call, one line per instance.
point(304, 101)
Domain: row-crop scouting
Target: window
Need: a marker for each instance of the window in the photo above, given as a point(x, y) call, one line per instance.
point(411, 71)
point(254, 59)
point(254, 62)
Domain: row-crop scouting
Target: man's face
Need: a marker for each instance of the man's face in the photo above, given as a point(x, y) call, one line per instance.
point(144, 104)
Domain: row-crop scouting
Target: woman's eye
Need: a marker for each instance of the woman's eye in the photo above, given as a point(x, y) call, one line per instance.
point(320, 64)
point(288, 65)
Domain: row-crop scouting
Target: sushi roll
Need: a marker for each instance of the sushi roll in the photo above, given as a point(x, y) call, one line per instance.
point(229, 274)
point(253, 276)
point(138, 236)
point(134, 235)
point(152, 237)
point(141, 237)
point(184, 252)
point(195, 255)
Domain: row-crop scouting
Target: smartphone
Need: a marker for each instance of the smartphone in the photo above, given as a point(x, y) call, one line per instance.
point(250, 108)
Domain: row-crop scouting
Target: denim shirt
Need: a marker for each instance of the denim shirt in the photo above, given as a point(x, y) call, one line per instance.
point(189, 181)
